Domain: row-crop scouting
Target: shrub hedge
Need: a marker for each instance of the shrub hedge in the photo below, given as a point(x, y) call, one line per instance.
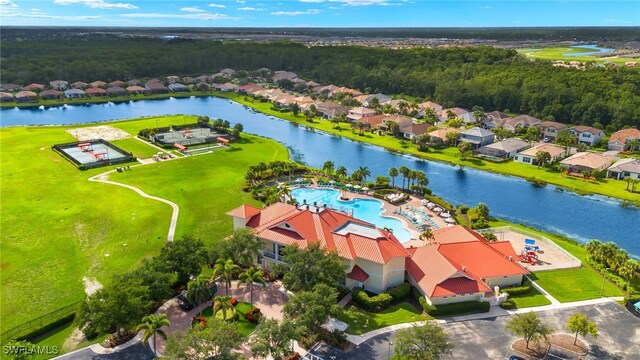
point(375, 303)
point(519, 290)
point(459, 308)
point(400, 292)
point(509, 304)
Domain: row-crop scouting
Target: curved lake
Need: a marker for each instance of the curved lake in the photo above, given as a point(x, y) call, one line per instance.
point(514, 199)
point(596, 50)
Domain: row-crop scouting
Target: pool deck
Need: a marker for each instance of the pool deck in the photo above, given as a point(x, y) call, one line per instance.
point(389, 212)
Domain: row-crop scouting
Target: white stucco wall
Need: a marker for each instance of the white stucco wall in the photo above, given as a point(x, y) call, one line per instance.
point(509, 280)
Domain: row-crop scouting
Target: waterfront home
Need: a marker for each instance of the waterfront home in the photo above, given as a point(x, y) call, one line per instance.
point(477, 137)
point(464, 114)
point(74, 94)
point(135, 89)
point(358, 113)
point(621, 140)
point(116, 91)
point(329, 109)
point(327, 89)
point(440, 135)
point(177, 87)
point(11, 87)
point(172, 79)
point(26, 96)
point(373, 258)
point(155, 87)
point(503, 149)
point(413, 131)
point(59, 84)
point(202, 78)
point(520, 122)
point(495, 119)
point(188, 80)
point(460, 265)
point(79, 85)
point(623, 168)
point(51, 94)
point(550, 129)
point(228, 72)
point(396, 104)
point(402, 121)
point(587, 134)
point(96, 91)
point(370, 122)
point(587, 161)
point(34, 87)
point(119, 83)
point(134, 82)
point(366, 99)
point(225, 87)
point(97, 83)
point(6, 97)
point(529, 156)
point(344, 90)
point(429, 105)
point(249, 88)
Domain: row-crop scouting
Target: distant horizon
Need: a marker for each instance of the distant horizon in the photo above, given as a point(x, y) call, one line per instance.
point(320, 13)
point(322, 27)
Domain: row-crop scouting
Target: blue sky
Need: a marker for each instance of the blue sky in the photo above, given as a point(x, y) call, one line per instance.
point(318, 13)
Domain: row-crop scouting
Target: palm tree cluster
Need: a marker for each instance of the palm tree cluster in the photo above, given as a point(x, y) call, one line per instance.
point(633, 182)
point(616, 259)
point(415, 179)
point(273, 169)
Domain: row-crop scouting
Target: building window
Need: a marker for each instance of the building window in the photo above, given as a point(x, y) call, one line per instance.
point(527, 160)
point(586, 135)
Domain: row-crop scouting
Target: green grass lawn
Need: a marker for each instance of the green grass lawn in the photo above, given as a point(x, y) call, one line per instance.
point(58, 227)
point(245, 327)
point(139, 149)
point(361, 321)
point(531, 299)
point(609, 187)
point(557, 53)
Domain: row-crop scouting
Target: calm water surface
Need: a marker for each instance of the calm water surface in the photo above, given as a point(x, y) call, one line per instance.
point(580, 217)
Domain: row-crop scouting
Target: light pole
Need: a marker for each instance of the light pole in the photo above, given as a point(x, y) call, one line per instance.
point(390, 344)
point(603, 279)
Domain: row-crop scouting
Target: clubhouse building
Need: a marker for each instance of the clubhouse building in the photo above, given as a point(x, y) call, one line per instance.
point(457, 265)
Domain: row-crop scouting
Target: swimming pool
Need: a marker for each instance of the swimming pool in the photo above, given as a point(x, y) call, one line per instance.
point(364, 209)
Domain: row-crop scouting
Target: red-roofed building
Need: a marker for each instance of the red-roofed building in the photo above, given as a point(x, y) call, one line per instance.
point(621, 140)
point(460, 265)
point(373, 258)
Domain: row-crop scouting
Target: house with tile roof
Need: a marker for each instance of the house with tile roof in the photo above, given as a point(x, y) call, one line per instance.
point(51, 94)
point(440, 135)
point(521, 121)
point(79, 85)
point(374, 259)
point(620, 140)
point(587, 134)
point(529, 156)
point(460, 265)
point(34, 87)
point(413, 131)
point(477, 137)
point(503, 149)
point(429, 104)
point(74, 94)
point(6, 97)
point(11, 87)
point(495, 119)
point(59, 84)
point(464, 114)
point(550, 129)
point(97, 83)
point(96, 91)
point(356, 114)
point(26, 96)
point(587, 161)
point(628, 167)
point(116, 91)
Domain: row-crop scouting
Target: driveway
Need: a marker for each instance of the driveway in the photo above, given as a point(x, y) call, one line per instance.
point(618, 334)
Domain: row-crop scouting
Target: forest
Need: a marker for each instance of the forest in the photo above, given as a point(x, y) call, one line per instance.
point(486, 77)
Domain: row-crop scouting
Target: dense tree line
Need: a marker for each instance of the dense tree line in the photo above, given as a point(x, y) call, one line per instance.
point(494, 79)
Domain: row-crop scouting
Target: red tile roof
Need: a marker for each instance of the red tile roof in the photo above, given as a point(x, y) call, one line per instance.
point(459, 286)
point(245, 211)
point(358, 274)
point(95, 90)
point(625, 134)
point(455, 234)
point(584, 128)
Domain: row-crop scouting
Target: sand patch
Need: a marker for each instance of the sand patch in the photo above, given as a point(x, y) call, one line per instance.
point(104, 132)
point(75, 339)
point(91, 285)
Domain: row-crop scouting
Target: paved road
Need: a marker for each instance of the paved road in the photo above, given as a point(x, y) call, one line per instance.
point(619, 336)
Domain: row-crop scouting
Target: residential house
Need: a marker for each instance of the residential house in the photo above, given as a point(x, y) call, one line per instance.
point(119, 83)
point(6, 97)
point(116, 91)
point(134, 82)
point(177, 87)
point(188, 80)
point(98, 83)
point(11, 87)
point(135, 89)
point(284, 75)
point(96, 91)
point(396, 104)
point(529, 156)
point(155, 87)
point(79, 85)
point(50, 94)
point(358, 113)
point(344, 90)
point(202, 79)
point(413, 131)
point(402, 121)
point(26, 96)
point(477, 137)
point(587, 134)
point(371, 122)
point(230, 73)
point(440, 135)
point(225, 87)
point(460, 265)
point(172, 79)
point(620, 140)
point(74, 94)
point(520, 122)
point(249, 88)
point(328, 89)
point(34, 87)
point(374, 259)
point(504, 149)
point(464, 114)
point(366, 99)
point(550, 129)
point(628, 167)
point(429, 104)
point(587, 161)
point(59, 84)
point(495, 119)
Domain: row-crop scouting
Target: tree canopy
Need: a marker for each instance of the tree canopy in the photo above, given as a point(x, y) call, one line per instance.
point(423, 342)
point(305, 268)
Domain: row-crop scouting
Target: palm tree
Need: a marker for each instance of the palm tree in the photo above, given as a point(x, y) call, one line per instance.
point(413, 176)
point(629, 180)
point(364, 172)
point(198, 290)
point(360, 126)
point(248, 278)
point(152, 324)
point(341, 172)
point(542, 157)
point(629, 271)
point(422, 179)
point(405, 173)
point(285, 192)
point(393, 172)
point(225, 269)
point(633, 144)
point(328, 167)
point(427, 235)
point(222, 303)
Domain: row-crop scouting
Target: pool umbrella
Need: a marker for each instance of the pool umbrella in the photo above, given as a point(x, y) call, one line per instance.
point(357, 187)
point(332, 182)
point(348, 185)
point(365, 188)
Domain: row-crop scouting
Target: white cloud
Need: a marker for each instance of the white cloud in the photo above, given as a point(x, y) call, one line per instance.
point(296, 13)
point(335, 8)
point(5, 4)
point(192, 9)
point(240, 1)
point(96, 4)
point(39, 15)
point(365, 2)
point(312, 1)
point(249, 8)
point(214, 5)
point(193, 16)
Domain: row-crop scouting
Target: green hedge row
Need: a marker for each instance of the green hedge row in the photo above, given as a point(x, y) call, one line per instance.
point(631, 299)
point(375, 303)
point(400, 292)
point(520, 290)
point(509, 304)
point(459, 308)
